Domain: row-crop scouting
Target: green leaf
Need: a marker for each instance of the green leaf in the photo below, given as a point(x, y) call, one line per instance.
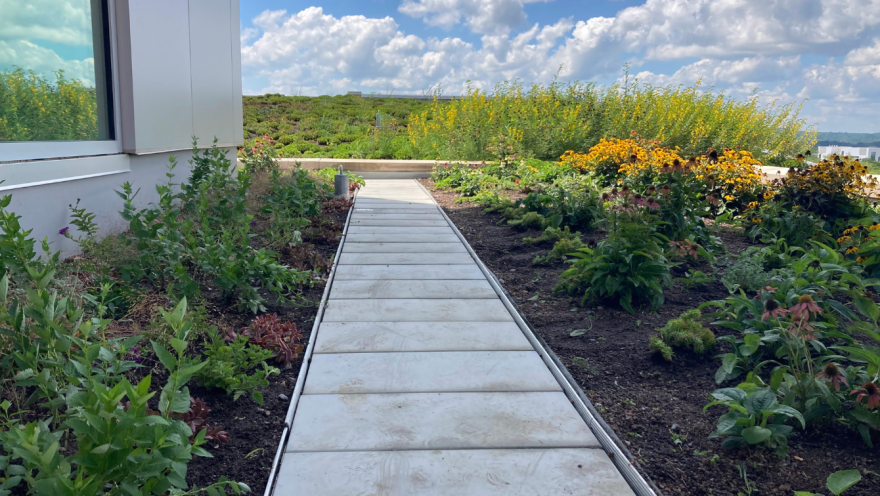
point(100, 450)
point(578, 332)
point(756, 435)
point(729, 394)
point(179, 345)
point(790, 412)
point(728, 363)
point(840, 481)
point(865, 306)
point(257, 397)
point(764, 399)
point(164, 356)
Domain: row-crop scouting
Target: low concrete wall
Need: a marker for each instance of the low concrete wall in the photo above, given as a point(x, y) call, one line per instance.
point(360, 165)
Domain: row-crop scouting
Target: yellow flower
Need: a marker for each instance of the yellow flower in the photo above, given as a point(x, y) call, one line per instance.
point(729, 197)
point(852, 249)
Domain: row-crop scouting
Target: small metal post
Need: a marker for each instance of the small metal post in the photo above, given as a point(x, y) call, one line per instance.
point(340, 183)
point(379, 120)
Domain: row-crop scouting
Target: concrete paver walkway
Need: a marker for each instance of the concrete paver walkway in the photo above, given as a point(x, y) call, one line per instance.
point(422, 383)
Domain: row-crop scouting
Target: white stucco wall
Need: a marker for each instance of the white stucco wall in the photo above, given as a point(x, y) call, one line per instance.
point(45, 208)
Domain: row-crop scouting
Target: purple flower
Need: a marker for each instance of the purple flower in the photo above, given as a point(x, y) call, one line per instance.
point(253, 223)
point(64, 232)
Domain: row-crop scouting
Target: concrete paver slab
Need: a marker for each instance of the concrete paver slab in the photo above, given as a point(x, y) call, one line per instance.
point(364, 337)
point(349, 290)
point(398, 222)
point(406, 259)
point(397, 210)
point(409, 272)
point(399, 230)
point(401, 238)
point(379, 216)
point(351, 247)
point(506, 472)
point(375, 202)
point(416, 310)
point(490, 371)
point(436, 421)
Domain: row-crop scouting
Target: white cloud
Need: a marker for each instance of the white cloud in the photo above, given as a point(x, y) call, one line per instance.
point(59, 21)
point(45, 62)
point(25, 25)
point(482, 16)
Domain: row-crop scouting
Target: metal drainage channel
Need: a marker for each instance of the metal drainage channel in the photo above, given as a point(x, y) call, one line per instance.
point(620, 456)
point(307, 360)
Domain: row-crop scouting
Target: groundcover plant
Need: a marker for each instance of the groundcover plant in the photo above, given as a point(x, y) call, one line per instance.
point(793, 338)
point(113, 363)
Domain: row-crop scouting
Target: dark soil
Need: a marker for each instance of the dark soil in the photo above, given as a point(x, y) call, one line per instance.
point(254, 430)
point(646, 401)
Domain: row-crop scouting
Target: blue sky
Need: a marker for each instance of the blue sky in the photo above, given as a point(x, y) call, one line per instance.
point(824, 53)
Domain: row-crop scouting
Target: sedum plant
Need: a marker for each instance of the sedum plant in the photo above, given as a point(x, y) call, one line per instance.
point(683, 332)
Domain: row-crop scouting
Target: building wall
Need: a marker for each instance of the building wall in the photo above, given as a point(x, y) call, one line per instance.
point(176, 67)
point(850, 151)
point(45, 208)
point(179, 73)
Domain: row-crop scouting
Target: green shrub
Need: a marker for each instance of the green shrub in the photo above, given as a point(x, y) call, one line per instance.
point(308, 135)
point(530, 220)
point(552, 235)
point(287, 139)
point(683, 332)
point(562, 249)
point(747, 273)
point(235, 366)
point(627, 267)
point(774, 221)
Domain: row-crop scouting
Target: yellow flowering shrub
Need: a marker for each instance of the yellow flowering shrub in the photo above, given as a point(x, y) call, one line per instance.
point(546, 120)
point(833, 188)
point(730, 174)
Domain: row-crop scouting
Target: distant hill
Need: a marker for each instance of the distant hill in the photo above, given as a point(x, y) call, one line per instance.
point(850, 139)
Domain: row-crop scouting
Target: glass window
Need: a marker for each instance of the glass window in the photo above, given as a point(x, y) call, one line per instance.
point(55, 82)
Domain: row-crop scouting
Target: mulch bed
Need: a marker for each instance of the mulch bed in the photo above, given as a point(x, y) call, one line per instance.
point(646, 401)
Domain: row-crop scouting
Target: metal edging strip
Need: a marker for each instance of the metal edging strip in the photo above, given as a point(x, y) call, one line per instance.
point(620, 456)
point(307, 360)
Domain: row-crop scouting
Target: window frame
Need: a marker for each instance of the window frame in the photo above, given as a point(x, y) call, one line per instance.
point(53, 150)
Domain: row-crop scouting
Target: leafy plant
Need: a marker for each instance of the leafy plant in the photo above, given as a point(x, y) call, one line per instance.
point(562, 249)
point(694, 278)
point(683, 332)
point(747, 273)
point(553, 235)
point(754, 417)
point(235, 366)
point(627, 266)
point(279, 337)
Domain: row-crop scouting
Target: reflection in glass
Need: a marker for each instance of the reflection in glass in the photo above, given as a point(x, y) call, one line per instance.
point(54, 77)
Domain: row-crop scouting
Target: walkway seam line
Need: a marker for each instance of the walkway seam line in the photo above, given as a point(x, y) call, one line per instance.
point(622, 460)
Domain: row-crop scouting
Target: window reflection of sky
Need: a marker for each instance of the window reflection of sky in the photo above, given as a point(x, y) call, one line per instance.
point(48, 35)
